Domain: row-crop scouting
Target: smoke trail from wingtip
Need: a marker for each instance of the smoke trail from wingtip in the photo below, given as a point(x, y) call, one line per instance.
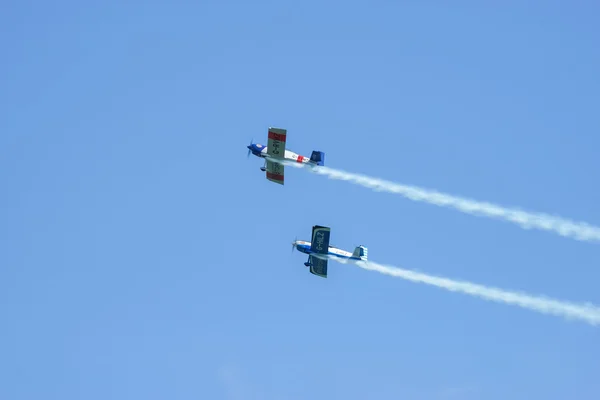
point(527, 220)
point(588, 313)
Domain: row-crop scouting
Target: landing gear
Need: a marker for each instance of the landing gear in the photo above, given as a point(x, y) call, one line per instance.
point(307, 264)
point(264, 167)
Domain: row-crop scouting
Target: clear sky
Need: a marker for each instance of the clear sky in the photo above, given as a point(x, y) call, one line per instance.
point(143, 256)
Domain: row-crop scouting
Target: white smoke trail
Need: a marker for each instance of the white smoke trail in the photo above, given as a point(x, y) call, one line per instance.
point(586, 312)
point(527, 220)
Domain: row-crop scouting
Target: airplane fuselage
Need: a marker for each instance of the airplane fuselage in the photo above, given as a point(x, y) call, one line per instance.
point(261, 151)
point(304, 247)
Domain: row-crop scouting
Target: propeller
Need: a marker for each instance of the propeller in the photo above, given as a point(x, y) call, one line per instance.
point(294, 243)
point(249, 151)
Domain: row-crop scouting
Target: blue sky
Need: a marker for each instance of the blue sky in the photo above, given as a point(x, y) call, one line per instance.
point(144, 256)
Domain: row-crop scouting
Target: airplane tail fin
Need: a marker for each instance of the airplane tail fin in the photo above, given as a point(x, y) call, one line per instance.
point(361, 252)
point(318, 157)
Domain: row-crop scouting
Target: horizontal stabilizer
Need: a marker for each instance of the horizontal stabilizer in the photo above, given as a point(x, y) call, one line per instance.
point(360, 252)
point(318, 157)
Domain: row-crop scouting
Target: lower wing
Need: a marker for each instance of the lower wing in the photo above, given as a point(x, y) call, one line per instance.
point(318, 266)
point(275, 172)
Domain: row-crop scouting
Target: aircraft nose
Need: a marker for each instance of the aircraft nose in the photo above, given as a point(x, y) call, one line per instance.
point(255, 148)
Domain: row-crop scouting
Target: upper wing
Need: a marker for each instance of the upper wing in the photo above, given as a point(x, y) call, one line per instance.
point(320, 239)
point(275, 171)
point(318, 266)
point(319, 245)
point(276, 143)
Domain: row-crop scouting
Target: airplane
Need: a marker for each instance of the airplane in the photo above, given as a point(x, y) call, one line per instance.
point(275, 149)
point(319, 251)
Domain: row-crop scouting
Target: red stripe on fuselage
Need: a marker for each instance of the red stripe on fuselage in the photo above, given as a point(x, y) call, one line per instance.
point(277, 177)
point(300, 158)
point(277, 136)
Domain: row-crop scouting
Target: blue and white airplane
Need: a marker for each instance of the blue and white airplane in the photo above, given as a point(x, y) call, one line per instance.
point(276, 150)
point(319, 251)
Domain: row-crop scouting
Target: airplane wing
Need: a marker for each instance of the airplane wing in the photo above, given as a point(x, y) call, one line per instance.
point(319, 245)
point(275, 171)
point(276, 149)
point(276, 143)
point(318, 266)
point(320, 239)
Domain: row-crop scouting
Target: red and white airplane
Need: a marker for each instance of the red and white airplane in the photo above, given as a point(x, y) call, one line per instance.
point(276, 150)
